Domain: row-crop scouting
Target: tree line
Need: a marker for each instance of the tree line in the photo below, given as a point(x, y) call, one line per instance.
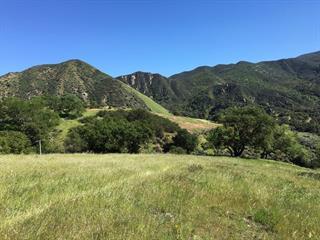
point(251, 131)
point(24, 123)
point(244, 132)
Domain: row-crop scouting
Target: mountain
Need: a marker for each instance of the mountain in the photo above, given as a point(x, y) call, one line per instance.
point(75, 77)
point(287, 88)
point(154, 86)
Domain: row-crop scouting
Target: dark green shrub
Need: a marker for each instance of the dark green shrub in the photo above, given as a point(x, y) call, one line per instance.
point(316, 160)
point(285, 146)
point(177, 150)
point(67, 106)
point(12, 142)
point(30, 117)
point(75, 141)
point(108, 136)
point(156, 123)
point(185, 140)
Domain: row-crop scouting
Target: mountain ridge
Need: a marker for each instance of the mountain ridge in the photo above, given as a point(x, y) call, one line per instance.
point(287, 88)
point(73, 76)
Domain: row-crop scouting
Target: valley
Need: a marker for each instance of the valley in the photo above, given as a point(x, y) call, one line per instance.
point(159, 120)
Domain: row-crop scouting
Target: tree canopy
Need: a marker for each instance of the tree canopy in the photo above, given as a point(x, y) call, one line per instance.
point(67, 106)
point(32, 118)
point(242, 127)
point(119, 131)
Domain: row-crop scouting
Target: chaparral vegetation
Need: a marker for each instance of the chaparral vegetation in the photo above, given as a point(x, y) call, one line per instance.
point(224, 152)
point(241, 132)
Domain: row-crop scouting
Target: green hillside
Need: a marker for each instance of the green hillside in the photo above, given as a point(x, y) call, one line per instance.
point(152, 105)
point(76, 77)
point(72, 77)
point(152, 85)
point(156, 197)
point(287, 88)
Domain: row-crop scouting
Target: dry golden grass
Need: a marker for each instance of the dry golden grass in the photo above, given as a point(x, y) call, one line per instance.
point(192, 124)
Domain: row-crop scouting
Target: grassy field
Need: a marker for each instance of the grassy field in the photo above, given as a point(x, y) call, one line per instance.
point(156, 197)
point(152, 105)
point(192, 124)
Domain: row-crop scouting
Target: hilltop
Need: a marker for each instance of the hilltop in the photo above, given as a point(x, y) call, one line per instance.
point(74, 77)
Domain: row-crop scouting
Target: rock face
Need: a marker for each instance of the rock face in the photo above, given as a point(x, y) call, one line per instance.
point(154, 86)
point(75, 77)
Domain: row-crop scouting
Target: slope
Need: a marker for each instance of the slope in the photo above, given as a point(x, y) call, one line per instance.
point(155, 197)
point(289, 89)
point(75, 77)
point(152, 105)
point(154, 86)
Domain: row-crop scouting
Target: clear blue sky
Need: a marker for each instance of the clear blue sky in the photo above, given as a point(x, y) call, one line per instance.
point(162, 36)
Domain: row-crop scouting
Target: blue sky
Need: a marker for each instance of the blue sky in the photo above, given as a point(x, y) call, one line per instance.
point(163, 36)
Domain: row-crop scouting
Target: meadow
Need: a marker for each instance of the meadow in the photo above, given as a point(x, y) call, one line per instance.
point(113, 196)
point(193, 125)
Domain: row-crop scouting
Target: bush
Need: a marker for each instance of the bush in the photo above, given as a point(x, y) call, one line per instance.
point(317, 153)
point(177, 150)
point(29, 117)
point(185, 140)
point(12, 142)
point(285, 146)
point(157, 124)
point(67, 106)
point(75, 141)
point(161, 128)
point(126, 131)
point(108, 136)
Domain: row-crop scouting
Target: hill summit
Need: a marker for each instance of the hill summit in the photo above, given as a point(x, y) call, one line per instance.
point(74, 77)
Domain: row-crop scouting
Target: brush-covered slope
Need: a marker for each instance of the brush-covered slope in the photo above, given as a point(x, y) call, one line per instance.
point(156, 197)
point(154, 86)
point(287, 88)
point(151, 104)
point(74, 76)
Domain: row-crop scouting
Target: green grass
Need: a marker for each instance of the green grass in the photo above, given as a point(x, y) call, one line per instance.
point(66, 125)
point(156, 197)
point(152, 105)
point(191, 124)
point(90, 112)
